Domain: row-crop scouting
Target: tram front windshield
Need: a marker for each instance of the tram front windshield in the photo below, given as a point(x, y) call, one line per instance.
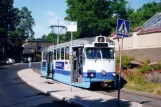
point(99, 53)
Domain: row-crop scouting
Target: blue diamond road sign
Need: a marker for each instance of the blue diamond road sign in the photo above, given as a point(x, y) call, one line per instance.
point(123, 28)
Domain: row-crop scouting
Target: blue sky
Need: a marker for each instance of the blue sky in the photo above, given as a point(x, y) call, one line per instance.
point(47, 12)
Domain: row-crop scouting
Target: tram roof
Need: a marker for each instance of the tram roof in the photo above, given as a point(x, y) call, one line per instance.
point(77, 42)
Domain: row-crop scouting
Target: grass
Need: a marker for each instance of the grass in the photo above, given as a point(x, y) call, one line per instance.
point(146, 68)
point(152, 88)
point(136, 81)
point(135, 77)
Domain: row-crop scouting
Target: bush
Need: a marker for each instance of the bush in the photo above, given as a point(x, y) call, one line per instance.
point(146, 68)
point(157, 66)
point(37, 57)
point(125, 60)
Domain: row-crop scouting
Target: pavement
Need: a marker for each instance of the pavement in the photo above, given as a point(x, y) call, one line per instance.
point(77, 96)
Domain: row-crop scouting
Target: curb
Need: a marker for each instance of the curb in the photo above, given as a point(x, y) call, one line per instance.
point(66, 99)
point(141, 93)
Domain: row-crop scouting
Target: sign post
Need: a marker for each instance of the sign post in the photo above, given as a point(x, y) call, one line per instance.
point(72, 27)
point(122, 30)
point(29, 59)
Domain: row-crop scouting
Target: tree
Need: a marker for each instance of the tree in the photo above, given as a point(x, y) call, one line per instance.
point(15, 27)
point(144, 13)
point(7, 19)
point(51, 37)
point(95, 17)
point(44, 36)
point(26, 23)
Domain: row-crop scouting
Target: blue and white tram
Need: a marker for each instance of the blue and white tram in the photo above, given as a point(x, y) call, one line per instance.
point(93, 61)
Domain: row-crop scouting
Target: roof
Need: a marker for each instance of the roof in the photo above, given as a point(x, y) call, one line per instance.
point(82, 41)
point(152, 25)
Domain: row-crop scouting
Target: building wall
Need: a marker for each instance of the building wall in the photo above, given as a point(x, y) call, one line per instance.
point(142, 47)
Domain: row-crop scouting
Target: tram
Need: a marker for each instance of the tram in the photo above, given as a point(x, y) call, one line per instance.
point(87, 61)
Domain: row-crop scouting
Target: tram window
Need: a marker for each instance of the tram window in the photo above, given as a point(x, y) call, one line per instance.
point(67, 53)
point(62, 53)
point(107, 53)
point(58, 54)
point(93, 53)
point(54, 55)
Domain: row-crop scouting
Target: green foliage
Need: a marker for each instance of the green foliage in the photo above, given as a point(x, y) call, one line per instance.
point(146, 68)
point(26, 23)
point(53, 37)
point(50, 37)
point(157, 66)
point(142, 14)
point(15, 26)
point(37, 57)
point(125, 60)
point(95, 17)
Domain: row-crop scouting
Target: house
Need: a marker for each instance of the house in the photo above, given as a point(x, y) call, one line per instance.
point(32, 48)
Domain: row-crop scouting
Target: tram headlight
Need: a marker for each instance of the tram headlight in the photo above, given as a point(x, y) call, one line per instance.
point(91, 73)
point(114, 74)
point(103, 72)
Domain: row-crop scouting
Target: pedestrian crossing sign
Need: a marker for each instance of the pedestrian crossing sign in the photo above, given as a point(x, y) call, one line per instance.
point(123, 28)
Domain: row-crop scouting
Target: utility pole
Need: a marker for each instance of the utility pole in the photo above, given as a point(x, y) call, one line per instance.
point(52, 26)
point(58, 33)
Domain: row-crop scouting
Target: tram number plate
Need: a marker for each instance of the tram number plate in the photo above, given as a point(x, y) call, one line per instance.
point(107, 81)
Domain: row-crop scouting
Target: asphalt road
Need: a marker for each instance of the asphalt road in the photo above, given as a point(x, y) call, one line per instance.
point(146, 101)
point(16, 93)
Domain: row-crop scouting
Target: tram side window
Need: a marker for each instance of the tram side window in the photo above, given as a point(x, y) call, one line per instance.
point(62, 53)
point(58, 54)
point(67, 53)
point(54, 55)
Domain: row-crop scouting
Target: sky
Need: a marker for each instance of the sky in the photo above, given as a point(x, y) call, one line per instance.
point(50, 12)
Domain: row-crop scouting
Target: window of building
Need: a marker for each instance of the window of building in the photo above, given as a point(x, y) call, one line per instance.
point(58, 54)
point(67, 53)
point(62, 53)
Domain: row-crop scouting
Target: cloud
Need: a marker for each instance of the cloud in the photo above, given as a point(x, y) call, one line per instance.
point(40, 30)
point(51, 14)
point(43, 27)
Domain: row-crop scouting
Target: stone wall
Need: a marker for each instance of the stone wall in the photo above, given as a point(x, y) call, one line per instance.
point(142, 47)
point(153, 54)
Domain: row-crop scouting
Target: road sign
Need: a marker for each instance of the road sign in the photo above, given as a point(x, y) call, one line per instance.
point(123, 28)
point(72, 27)
point(29, 59)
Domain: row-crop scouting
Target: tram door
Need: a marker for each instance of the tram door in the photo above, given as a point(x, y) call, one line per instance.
point(44, 64)
point(77, 65)
point(49, 65)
